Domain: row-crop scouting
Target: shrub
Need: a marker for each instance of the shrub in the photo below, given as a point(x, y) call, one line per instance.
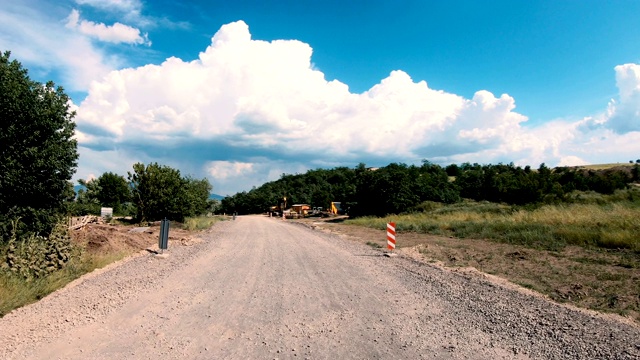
point(33, 256)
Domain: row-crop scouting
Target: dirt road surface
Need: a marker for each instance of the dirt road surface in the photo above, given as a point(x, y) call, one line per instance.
point(261, 288)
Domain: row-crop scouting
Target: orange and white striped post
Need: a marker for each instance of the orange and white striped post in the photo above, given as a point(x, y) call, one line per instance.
point(391, 236)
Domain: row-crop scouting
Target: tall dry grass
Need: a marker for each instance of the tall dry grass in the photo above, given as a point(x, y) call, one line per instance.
point(202, 222)
point(598, 221)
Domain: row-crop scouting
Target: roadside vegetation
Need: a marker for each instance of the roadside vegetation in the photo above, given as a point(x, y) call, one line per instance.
point(28, 273)
point(202, 222)
point(401, 188)
point(17, 291)
point(589, 220)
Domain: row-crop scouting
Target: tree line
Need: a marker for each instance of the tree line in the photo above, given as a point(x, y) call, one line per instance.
point(398, 187)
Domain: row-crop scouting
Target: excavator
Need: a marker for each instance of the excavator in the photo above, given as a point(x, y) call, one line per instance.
point(336, 208)
point(278, 209)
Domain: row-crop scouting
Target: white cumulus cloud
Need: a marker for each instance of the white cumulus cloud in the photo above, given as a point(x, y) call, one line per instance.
point(223, 170)
point(116, 33)
point(247, 109)
point(36, 37)
point(624, 115)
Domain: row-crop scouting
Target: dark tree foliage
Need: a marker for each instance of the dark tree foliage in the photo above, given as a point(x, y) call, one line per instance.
point(114, 191)
point(108, 190)
point(38, 154)
point(362, 191)
point(160, 192)
point(514, 185)
point(387, 190)
point(400, 188)
point(317, 188)
point(196, 197)
point(453, 170)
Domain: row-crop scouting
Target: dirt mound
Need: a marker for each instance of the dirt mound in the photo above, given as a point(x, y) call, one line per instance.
point(117, 238)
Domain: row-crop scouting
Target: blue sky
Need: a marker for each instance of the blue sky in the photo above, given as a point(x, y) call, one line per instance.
point(360, 81)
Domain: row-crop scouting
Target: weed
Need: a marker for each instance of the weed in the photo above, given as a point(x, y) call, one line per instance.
point(201, 222)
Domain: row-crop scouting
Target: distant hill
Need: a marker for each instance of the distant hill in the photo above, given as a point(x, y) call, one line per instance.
point(605, 166)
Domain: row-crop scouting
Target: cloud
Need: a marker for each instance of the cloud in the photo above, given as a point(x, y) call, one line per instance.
point(624, 115)
point(116, 33)
point(38, 39)
point(223, 170)
point(247, 110)
point(126, 6)
point(131, 12)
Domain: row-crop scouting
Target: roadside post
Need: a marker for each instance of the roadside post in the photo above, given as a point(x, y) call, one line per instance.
point(163, 241)
point(391, 238)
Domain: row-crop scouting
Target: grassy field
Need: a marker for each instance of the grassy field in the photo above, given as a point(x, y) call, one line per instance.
point(605, 166)
point(586, 252)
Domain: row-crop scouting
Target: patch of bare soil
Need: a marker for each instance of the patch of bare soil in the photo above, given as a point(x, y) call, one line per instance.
point(112, 238)
point(606, 281)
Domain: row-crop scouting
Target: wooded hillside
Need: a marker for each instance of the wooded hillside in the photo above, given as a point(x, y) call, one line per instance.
point(398, 188)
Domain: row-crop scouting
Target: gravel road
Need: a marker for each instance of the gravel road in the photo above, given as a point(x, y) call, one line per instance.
point(261, 288)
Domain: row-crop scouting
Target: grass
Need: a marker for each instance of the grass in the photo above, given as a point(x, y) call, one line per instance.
point(606, 166)
point(15, 291)
point(592, 221)
point(201, 222)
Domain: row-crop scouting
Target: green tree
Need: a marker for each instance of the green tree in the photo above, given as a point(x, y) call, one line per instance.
point(159, 191)
point(453, 170)
point(113, 191)
point(196, 197)
point(109, 190)
point(86, 202)
point(38, 154)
